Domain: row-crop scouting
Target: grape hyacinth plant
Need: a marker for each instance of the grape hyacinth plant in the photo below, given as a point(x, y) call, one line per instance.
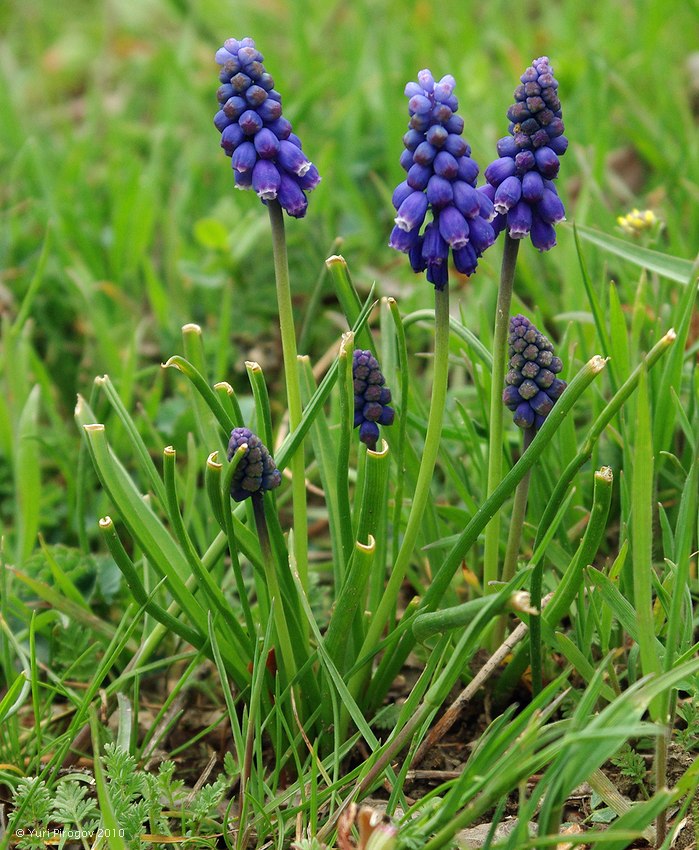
point(520, 182)
point(441, 180)
point(256, 471)
point(268, 157)
point(520, 186)
point(371, 397)
point(532, 386)
point(265, 154)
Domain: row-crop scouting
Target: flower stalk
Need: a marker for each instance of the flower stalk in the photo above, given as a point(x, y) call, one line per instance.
point(495, 448)
point(293, 386)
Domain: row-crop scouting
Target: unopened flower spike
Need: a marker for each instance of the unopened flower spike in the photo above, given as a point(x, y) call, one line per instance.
point(520, 182)
point(256, 471)
point(441, 180)
point(265, 154)
point(532, 387)
point(371, 397)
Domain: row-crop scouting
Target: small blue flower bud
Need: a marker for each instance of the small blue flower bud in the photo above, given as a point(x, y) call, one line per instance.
point(250, 122)
point(411, 212)
point(270, 111)
point(543, 234)
point(440, 192)
point(445, 165)
point(291, 197)
point(465, 259)
point(266, 144)
point(468, 170)
point(550, 208)
point(453, 227)
point(400, 193)
point(403, 240)
point(412, 139)
point(500, 170)
point(532, 187)
point(292, 159)
point(310, 179)
point(455, 125)
point(244, 157)
point(234, 107)
point(437, 135)
point(425, 80)
point(481, 234)
point(266, 179)
point(231, 137)
point(424, 153)
point(418, 176)
point(519, 220)
point(466, 198)
point(547, 162)
point(221, 121)
point(455, 145)
point(507, 194)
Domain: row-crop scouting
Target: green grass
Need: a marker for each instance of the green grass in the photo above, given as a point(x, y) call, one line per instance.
point(186, 624)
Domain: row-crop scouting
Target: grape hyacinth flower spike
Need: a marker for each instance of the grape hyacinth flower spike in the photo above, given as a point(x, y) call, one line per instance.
point(532, 387)
point(371, 397)
point(256, 471)
point(520, 182)
point(441, 180)
point(265, 154)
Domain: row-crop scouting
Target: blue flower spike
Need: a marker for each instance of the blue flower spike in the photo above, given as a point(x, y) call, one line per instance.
point(441, 181)
point(520, 182)
point(256, 471)
point(265, 154)
point(371, 397)
point(532, 387)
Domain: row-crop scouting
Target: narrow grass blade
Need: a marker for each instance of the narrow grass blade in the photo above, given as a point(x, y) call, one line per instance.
point(642, 536)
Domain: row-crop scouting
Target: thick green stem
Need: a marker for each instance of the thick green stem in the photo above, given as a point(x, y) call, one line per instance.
point(502, 319)
point(424, 479)
point(293, 387)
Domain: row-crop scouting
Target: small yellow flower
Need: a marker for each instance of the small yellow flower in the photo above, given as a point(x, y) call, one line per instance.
point(637, 221)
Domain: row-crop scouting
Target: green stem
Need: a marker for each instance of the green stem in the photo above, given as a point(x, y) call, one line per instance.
point(497, 410)
point(424, 479)
point(293, 386)
point(280, 624)
point(519, 510)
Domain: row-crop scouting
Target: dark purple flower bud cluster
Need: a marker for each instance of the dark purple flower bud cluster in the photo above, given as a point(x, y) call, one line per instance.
point(442, 179)
point(266, 156)
point(520, 183)
point(256, 471)
point(371, 397)
point(532, 386)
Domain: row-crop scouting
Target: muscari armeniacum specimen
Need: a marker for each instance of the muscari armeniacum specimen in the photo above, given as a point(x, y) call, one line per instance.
point(265, 154)
point(532, 387)
point(520, 182)
point(442, 179)
point(371, 397)
point(256, 472)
